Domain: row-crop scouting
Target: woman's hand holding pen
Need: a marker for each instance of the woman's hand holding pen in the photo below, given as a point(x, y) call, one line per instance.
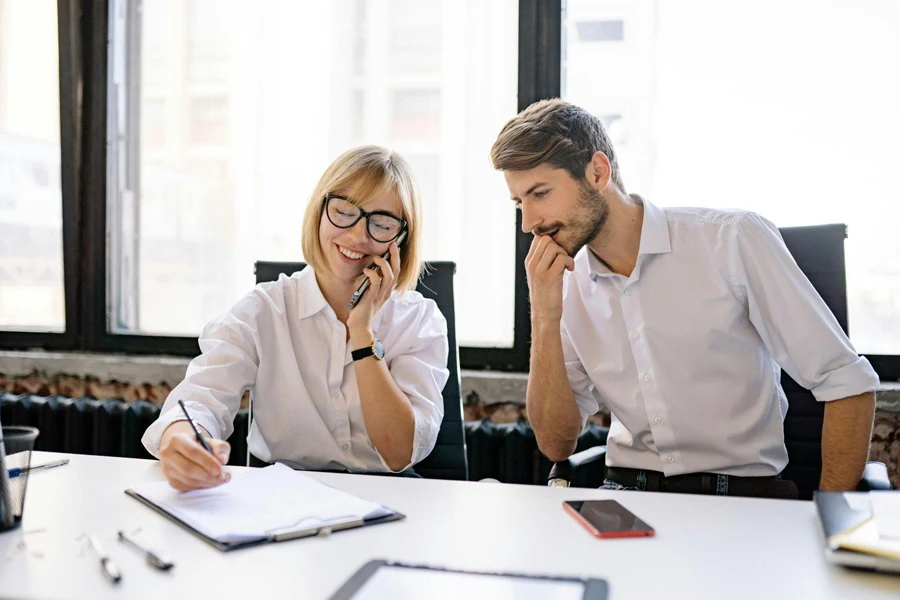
point(381, 284)
point(186, 465)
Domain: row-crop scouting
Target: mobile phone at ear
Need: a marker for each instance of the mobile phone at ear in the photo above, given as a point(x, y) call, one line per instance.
point(607, 519)
point(365, 284)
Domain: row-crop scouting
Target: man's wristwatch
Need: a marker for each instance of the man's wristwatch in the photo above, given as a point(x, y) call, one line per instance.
point(376, 350)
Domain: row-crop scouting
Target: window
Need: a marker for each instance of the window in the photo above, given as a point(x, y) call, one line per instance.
point(222, 114)
point(600, 31)
point(786, 109)
point(227, 154)
point(31, 257)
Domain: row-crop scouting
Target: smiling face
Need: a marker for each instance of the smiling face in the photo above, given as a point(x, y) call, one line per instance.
point(553, 203)
point(349, 251)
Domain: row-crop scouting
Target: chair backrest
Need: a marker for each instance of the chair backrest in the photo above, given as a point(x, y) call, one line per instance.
point(448, 459)
point(819, 252)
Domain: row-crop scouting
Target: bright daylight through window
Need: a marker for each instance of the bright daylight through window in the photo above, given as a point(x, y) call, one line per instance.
point(227, 112)
point(31, 263)
point(777, 107)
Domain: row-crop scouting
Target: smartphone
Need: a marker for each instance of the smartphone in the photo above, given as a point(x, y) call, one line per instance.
point(365, 284)
point(607, 519)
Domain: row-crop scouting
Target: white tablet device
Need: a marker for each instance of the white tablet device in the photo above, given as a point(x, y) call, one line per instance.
point(380, 579)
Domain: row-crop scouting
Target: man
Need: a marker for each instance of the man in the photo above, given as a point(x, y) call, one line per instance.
point(678, 318)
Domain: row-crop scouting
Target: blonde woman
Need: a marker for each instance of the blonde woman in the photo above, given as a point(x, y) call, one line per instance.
point(333, 388)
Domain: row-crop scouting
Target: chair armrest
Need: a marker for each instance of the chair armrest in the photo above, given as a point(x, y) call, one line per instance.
point(875, 477)
point(562, 473)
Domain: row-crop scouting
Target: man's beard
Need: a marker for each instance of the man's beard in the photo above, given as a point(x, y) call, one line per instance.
point(593, 210)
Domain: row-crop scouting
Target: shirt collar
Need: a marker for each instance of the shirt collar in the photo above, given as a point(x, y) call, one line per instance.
point(311, 301)
point(309, 297)
point(654, 239)
point(654, 230)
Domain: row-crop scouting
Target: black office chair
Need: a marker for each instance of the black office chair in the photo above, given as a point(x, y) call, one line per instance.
point(819, 252)
point(448, 458)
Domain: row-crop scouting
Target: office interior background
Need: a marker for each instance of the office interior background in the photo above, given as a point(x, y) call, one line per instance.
point(140, 179)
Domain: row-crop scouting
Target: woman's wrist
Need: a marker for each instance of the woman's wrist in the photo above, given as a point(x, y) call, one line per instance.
point(361, 337)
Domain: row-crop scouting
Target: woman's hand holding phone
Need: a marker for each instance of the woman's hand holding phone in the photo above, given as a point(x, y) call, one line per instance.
point(381, 284)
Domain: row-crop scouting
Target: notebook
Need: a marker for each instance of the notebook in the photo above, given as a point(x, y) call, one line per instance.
point(272, 504)
point(862, 529)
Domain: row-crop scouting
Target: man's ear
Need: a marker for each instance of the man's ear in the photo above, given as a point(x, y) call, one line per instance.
point(598, 171)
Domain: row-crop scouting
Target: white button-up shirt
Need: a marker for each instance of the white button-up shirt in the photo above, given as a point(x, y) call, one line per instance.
point(284, 343)
point(686, 351)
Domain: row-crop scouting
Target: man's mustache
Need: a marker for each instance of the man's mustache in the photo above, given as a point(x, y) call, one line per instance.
point(548, 229)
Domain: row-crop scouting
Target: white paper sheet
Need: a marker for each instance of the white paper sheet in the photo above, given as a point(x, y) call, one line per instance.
point(886, 512)
point(258, 503)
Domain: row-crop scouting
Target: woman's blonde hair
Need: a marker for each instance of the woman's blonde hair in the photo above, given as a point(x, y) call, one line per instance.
point(361, 174)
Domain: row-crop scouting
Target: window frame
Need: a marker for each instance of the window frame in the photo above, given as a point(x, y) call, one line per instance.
point(83, 51)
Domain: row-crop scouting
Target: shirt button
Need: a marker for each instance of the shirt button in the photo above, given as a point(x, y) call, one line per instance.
point(627, 291)
point(657, 420)
point(635, 335)
point(647, 377)
point(671, 459)
point(346, 446)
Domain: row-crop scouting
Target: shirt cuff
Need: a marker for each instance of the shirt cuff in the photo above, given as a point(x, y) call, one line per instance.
point(199, 413)
point(419, 452)
point(850, 380)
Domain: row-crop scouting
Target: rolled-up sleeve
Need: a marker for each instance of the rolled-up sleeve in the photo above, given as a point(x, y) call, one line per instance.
point(421, 373)
point(215, 380)
point(793, 321)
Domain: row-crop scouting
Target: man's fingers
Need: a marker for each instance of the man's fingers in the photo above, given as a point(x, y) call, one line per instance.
point(560, 264)
point(551, 254)
point(536, 252)
point(531, 249)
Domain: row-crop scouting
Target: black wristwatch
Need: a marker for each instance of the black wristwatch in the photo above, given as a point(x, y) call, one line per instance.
point(376, 350)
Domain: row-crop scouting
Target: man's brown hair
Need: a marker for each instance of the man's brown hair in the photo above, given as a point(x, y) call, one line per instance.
point(554, 132)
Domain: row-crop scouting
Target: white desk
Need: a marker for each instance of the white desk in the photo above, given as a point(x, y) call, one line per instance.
point(705, 547)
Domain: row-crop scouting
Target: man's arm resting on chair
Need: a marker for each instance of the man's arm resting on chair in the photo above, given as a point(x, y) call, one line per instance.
point(846, 433)
point(551, 406)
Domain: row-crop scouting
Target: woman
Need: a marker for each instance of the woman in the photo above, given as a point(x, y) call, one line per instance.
point(332, 388)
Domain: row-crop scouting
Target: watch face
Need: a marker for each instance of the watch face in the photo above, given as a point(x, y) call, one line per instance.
point(378, 349)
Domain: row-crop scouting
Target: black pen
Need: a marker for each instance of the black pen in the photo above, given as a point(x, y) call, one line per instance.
point(109, 568)
point(160, 562)
point(200, 438)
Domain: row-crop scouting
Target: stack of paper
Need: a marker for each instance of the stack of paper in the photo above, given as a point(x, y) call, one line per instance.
point(271, 503)
point(879, 534)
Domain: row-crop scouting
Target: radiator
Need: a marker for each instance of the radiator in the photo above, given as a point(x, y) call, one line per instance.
point(505, 451)
point(508, 452)
point(85, 425)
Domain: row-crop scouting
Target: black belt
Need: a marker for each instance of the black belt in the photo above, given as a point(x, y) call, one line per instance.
point(704, 483)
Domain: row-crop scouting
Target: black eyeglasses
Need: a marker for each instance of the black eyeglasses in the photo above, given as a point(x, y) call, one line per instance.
point(382, 226)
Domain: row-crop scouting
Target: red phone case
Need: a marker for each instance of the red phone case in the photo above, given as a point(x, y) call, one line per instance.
point(608, 534)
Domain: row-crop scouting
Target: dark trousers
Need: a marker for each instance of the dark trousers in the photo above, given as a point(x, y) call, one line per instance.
point(714, 484)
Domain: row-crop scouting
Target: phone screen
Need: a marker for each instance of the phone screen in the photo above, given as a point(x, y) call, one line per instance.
point(608, 518)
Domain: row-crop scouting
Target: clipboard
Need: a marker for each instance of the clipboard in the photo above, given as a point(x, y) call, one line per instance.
point(365, 584)
point(273, 504)
point(322, 530)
